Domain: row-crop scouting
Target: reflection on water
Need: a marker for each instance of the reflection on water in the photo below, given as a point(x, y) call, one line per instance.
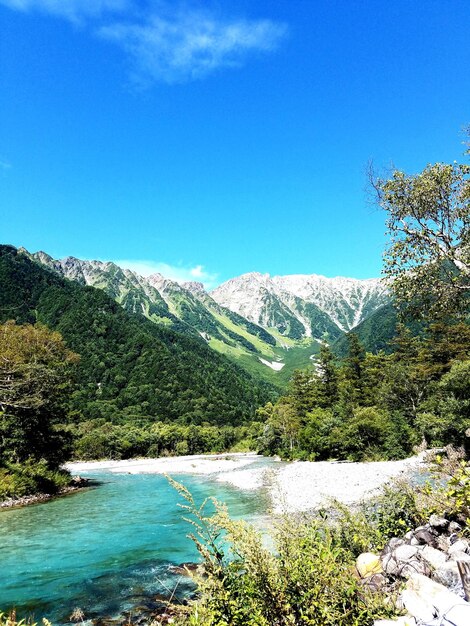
point(106, 549)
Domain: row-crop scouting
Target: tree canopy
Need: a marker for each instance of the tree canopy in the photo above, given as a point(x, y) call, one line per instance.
point(427, 260)
point(35, 371)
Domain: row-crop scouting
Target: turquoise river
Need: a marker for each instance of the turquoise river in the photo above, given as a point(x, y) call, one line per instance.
point(106, 549)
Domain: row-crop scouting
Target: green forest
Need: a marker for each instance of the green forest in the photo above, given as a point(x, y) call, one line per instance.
point(83, 378)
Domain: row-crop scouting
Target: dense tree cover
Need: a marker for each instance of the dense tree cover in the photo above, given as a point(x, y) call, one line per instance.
point(35, 371)
point(97, 439)
point(376, 406)
point(129, 368)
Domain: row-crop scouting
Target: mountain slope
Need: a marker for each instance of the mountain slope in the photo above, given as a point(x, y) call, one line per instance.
point(189, 310)
point(302, 305)
point(375, 332)
point(130, 368)
point(268, 325)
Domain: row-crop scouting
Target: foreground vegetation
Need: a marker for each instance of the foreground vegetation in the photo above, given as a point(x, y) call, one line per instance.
point(308, 577)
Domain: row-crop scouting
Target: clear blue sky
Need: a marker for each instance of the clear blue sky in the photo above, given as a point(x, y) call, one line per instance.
point(213, 138)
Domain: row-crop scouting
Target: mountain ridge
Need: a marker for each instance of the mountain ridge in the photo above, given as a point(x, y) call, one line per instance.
point(268, 325)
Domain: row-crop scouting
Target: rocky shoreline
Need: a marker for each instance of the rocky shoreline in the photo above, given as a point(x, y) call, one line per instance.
point(433, 561)
point(78, 483)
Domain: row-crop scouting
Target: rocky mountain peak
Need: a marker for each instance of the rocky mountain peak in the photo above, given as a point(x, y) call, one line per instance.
point(194, 287)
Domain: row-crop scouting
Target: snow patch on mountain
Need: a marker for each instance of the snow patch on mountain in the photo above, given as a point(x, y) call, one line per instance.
point(274, 365)
point(346, 301)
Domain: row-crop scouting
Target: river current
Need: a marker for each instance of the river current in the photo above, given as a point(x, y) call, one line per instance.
point(106, 549)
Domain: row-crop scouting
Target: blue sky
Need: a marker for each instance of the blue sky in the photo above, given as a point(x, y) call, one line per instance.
point(208, 139)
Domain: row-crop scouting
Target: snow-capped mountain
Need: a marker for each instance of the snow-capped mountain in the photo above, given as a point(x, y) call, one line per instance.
point(269, 325)
point(276, 301)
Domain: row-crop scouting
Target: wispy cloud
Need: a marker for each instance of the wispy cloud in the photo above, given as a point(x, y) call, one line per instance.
point(73, 10)
point(171, 44)
point(178, 273)
point(189, 46)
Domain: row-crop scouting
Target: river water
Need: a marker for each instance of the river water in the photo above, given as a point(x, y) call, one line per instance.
point(106, 549)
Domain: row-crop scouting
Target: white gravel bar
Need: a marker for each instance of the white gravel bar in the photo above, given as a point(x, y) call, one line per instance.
point(293, 487)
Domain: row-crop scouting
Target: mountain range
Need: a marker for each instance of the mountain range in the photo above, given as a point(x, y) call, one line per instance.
point(268, 325)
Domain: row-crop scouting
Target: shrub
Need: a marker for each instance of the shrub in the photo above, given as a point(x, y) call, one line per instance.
point(29, 478)
point(307, 580)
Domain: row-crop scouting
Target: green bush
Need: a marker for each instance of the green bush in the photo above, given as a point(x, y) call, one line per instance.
point(30, 478)
point(306, 580)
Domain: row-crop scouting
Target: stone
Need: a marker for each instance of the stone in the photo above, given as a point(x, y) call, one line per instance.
point(460, 556)
point(418, 606)
point(409, 535)
point(442, 543)
point(438, 596)
point(367, 564)
point(458, 546)
point(448, 575)
point(394, 562)
point(395, 542)
point(405, 552)
point(438, 522)
point(454, 527)
point(425, 537)
point(435, 558)
point(459, 614)
point(376, 582)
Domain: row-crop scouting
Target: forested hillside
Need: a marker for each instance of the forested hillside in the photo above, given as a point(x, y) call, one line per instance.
point(130, 369)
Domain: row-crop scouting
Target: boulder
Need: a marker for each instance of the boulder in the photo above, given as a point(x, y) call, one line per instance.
point(433, 557)
point(418, 606)
point(461, 545)
point(367, 564)
point(442, 543)
point(440, 523)
point(454, 527)
point(443, 602)
point(404, 561)
point(460, 556)
point(376, 582)
point(425, 537)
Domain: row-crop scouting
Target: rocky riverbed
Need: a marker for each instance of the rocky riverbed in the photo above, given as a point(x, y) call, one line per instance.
point(77, 483)
point(434, 560)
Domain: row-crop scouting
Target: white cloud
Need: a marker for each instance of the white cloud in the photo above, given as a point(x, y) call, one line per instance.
point(173, 45)
point(178, 273)
point(70, 9)
point(189, 46)
point(4, 165)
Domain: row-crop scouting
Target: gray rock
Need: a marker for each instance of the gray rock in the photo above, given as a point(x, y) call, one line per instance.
point(447, 575)
point(405, 568)
point(442, 543)
point(454, 527)
point(438, 522)
point(425, 537)
point(461, 545)
point(435, 558)
point(460, 556)
point(395, 542)
point(376, 582)
point(405, 552)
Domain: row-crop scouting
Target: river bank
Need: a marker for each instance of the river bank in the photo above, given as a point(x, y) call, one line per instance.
point(292, 486)
point(79, 484)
